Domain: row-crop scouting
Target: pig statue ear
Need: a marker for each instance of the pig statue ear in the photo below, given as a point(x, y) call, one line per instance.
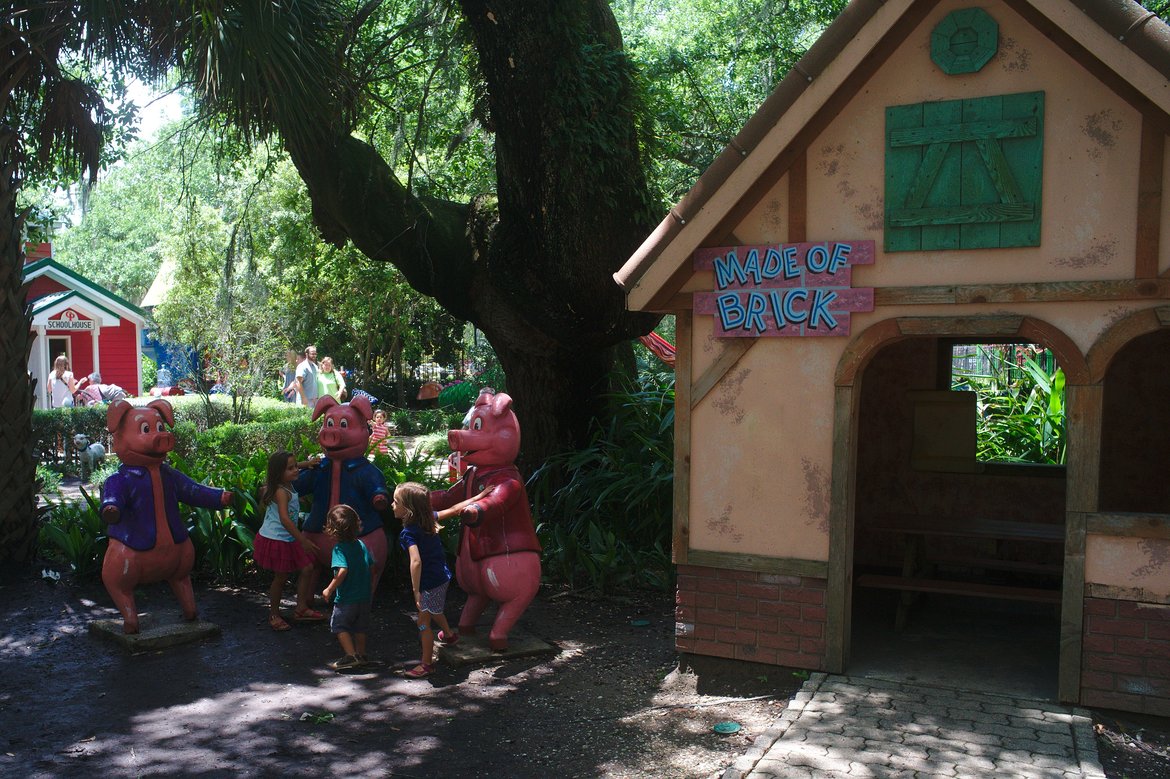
point(501, 403)
point(323, 404)
point(165, 411)
point(114, 414)
point(363, 408)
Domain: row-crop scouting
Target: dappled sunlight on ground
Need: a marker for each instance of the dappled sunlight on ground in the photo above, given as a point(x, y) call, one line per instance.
point(254, 702)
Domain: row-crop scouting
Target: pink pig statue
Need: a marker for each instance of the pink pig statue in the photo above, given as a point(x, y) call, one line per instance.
point(346, 476)
point(140, 503)
point(499, 554)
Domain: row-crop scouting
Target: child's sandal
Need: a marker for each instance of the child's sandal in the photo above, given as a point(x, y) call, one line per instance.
point(450, 639)
point(277, 623)
point(421, 671)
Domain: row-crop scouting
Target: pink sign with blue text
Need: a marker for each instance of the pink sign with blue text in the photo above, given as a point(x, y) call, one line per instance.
point(787, 289)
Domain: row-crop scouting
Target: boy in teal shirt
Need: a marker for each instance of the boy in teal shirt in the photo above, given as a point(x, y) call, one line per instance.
point(352, 572)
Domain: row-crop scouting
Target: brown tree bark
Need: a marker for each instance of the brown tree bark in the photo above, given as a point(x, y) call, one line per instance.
point(18, 482)
point(537, 277)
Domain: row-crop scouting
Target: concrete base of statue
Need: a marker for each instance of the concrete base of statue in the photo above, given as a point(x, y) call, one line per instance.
point(154, 632)
point(474, 650)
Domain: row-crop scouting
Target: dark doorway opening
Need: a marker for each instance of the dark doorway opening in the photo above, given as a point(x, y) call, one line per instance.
point(957, 560)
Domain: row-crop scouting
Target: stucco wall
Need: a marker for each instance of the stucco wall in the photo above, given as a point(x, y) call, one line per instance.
point(762, 438)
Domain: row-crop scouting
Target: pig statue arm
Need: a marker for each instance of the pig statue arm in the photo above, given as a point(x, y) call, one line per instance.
point(495, 505)
point(115, 496)
point(191, 492)
point(375, 484)
point(445, 499)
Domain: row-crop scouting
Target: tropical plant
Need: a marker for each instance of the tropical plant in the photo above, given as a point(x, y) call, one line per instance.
point(604, 513)
point(1020, 402)
point(49, 479)
point(415, 464)
point(75, 535)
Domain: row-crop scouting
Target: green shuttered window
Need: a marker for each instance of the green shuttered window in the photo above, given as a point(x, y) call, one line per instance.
point(964, 174)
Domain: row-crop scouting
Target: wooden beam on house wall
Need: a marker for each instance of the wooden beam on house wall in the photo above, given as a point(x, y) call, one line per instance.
point(1149, 205)
point(782, 566)
point(731, 351)
point(1039, 292)
point(1084, 403)
point(683, 361)
point(798, 199)
point(1032, 292)
point(1090, 62)
point(839, 591)
point(1129, 525)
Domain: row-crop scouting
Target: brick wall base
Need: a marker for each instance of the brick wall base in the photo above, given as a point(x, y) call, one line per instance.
point(1125, 662)
point(761, 617)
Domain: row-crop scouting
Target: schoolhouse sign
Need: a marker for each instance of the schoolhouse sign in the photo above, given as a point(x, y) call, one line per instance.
point(788, 289)
point(70, 320)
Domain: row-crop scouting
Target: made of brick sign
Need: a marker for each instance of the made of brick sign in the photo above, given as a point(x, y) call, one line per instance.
point(788, 289)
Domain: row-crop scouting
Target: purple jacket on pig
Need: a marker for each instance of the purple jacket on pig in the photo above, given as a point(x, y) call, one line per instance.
point(129, 489)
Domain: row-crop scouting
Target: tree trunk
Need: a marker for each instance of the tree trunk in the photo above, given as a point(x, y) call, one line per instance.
point(18, 483)
point(573, 205)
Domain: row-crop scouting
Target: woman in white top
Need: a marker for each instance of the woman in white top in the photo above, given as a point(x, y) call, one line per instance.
point(62, 385)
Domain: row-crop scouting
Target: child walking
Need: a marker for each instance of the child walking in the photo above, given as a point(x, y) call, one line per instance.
point(353, 566)
point(279, 546)
point(429, 574)
point(380, 433)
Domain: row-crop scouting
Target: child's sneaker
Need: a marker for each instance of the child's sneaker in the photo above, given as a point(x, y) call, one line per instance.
point(345, 663)
point(450, 639)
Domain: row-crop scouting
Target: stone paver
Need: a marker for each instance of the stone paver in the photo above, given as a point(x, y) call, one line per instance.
point(840, 726)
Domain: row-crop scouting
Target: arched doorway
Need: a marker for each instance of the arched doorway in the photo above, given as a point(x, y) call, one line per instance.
point(937, 598)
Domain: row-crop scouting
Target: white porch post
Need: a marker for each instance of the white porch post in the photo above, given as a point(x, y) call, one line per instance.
point(39, 368)
point(97, 331)
point(138, 357)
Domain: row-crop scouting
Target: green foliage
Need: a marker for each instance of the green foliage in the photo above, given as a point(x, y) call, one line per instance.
point(53, 431)
point(252, 438)
point(75, 535)
point(706, 66)
point(1021, 407)
point(429, 420)
point(417, 464)
point(223, 538)
point(49, 479)
point(604, 513)
point(149, 372)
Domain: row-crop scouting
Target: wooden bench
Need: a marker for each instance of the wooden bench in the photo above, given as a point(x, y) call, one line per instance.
point(996, 564)
point(953, 587)
point(919, 565)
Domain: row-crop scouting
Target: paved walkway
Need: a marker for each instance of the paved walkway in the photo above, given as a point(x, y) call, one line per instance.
point(839, 726)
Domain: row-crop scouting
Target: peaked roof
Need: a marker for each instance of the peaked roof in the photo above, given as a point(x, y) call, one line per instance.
point(82, 287)
point(1124, 45)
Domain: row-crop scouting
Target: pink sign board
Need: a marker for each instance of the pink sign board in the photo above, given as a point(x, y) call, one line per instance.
point(789, 289)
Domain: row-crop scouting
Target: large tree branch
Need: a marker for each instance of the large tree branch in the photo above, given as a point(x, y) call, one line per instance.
point(356, 196)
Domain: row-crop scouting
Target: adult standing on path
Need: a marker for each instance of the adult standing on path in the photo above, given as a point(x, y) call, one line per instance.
point(288, 378)
point(306, 380)
point(329, 381)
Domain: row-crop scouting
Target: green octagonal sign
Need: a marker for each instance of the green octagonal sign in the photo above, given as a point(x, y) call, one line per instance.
point(964, 41)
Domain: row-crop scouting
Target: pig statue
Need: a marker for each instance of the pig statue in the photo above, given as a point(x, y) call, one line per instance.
point(140, 503)
point(499, 555)
point(344, 475)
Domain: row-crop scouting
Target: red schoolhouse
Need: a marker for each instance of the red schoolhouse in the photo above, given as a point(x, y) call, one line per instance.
point(97, 330)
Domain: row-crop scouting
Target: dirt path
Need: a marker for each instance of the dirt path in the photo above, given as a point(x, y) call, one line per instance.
point(610, 702)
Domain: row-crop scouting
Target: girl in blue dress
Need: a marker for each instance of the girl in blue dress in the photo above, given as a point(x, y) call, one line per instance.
point(429, 574)
point(279, 546)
